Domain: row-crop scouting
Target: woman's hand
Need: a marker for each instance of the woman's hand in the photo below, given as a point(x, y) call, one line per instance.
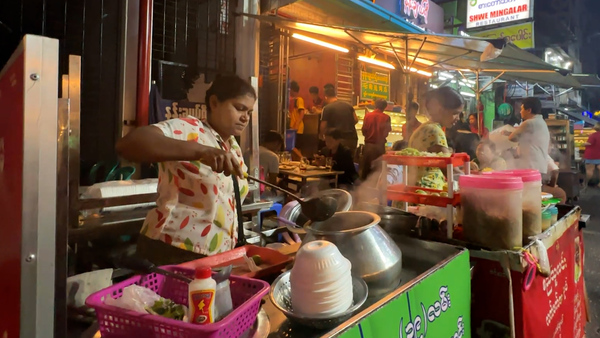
point(219, 160)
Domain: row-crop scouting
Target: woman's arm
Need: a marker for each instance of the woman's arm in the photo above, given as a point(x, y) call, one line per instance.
point(149, 144)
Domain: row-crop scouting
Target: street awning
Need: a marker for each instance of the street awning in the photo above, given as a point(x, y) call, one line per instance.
point(427, 52)
point(576, 113)
point(347, 13)
point(588, 80)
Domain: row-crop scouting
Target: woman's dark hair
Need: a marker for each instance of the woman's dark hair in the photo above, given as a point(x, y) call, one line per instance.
point(534, 104)
point(335, 134)
point(294, 86)
point(381, 104)
point(314, 90)
point(448, 97)
point(227, 87)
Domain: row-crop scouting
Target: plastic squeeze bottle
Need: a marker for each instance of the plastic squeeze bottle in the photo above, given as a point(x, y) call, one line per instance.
point(202, 297)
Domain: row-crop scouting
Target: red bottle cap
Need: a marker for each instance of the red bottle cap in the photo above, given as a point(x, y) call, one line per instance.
point(203, 272)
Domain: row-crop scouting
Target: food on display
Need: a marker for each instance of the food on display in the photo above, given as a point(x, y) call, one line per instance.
point(417, 153)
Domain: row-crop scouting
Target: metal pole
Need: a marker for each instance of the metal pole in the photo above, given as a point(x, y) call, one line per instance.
point(144, 62)
point(406, 73)
point(477, 99)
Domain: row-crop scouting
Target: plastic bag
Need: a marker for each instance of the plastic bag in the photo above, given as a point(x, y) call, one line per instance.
point(135, 298)
point(543, 260)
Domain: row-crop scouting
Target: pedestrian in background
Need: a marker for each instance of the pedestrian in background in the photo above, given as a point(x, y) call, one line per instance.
point(376, 127)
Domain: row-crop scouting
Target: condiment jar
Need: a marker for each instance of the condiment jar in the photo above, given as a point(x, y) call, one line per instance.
point(492, 208)
point(554, 212)
point(532, 200)
point(546, 219)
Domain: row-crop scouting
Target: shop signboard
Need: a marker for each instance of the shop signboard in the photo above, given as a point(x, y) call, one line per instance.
point(521, 35)
point(374, 83)
point(439, 306)
point(481, 13)
point(423, 13)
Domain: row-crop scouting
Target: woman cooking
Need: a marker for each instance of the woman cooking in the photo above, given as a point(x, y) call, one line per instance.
point(201, 167)
point(444, 106)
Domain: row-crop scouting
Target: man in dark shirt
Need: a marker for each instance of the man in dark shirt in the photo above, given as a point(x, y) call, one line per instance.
point(342, 158)
point(341, 116)
point(376, 128)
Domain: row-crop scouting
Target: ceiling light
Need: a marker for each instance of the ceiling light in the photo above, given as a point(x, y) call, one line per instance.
point(422, 72)
point(376, 62)
point(321, 30)
point(320, 43)
point(467, 94)
point(434, 86)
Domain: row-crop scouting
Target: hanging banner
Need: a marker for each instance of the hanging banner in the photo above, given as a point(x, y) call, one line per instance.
point(482, 13)
point(374, 83)
point(520, 35)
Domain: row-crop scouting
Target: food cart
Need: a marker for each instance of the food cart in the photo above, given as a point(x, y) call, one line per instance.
point(432, 299)
point(434, 295)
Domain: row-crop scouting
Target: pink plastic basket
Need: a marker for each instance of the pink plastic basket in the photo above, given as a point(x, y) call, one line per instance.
point(114, 322)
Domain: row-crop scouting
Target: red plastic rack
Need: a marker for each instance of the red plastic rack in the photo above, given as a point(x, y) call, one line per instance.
point(408, 194)
point(456, 160)
point(404, 193)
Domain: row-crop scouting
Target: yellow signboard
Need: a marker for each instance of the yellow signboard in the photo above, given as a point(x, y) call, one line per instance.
point(521, 35)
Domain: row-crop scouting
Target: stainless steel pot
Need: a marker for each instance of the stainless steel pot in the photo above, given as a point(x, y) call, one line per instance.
point(373, 254)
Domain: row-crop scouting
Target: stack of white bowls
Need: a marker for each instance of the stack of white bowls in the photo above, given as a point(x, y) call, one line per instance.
point(321, 280)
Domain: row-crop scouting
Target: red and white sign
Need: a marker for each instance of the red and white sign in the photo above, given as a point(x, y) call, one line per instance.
point(482, 13)
point(416, 9)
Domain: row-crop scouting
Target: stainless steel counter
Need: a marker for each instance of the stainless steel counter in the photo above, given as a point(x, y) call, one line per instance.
point(420, 259)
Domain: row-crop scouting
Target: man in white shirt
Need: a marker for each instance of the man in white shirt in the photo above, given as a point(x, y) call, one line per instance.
point(269, 161)
point(533, 137)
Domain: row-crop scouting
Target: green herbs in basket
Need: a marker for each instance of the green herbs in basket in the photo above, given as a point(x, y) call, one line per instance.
point(168, 309)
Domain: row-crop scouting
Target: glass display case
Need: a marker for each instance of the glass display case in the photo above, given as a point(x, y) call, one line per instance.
point(398, 119)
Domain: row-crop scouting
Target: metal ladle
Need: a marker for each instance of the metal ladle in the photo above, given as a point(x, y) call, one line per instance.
point(317, 209)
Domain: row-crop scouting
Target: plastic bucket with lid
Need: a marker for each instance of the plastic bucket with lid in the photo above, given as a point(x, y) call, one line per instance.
point(492, 210)
point(532, 200)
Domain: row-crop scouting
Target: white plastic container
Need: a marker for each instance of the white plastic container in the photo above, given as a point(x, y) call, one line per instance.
point(201, 301)
point(321, 280)
point(491, 209)
point(532, 201)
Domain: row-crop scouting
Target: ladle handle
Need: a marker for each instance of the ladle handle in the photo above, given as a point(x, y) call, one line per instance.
point(291, 226)
point(274, 187)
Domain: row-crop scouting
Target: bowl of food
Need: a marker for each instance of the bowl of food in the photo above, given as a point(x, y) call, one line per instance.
point(281, 297)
